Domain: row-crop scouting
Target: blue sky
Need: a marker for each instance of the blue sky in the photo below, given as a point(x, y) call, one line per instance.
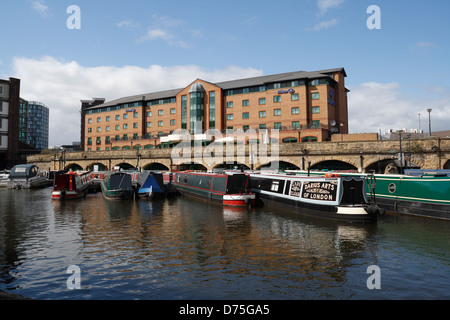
point(131, 47)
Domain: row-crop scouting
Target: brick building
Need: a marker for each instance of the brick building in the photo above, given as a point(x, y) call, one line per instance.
point(302, 106)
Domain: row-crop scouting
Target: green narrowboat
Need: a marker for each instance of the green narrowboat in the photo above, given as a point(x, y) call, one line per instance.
point(117, 186)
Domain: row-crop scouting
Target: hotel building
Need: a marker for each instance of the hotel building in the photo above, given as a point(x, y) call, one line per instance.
point(303, 106)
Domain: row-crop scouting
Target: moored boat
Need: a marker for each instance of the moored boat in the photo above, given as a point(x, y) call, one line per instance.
point(151, 185)
point(425, 194)
point(28, 176)
point(117, 186)
point(4, 176)
point(228, 189)
point(71, 185)
point(335, 198)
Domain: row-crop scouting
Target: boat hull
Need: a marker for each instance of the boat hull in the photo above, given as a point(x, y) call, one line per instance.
point(229, 200)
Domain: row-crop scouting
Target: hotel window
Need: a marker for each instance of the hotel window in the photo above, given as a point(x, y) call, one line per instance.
point(149, 124)
point(160, 112)
point(230, 128)
point(294, 97)
point(230, 104)
point(245, 127)
point(135, 125)
point(183, 112)
point(245, 103)
point(316, 124)
point(277, 125)
point(149, 113)
point(108, 128)
point(125, 126)
point(118, 117)
point(107, 140)
point(125, 115)
point(90, 120)
point(315, 109)
point(245, 115)
point(277, 112)
point(89, 129)
point(295, 110)
point(99, 119)
point(160, 123)
point(315, 82)
point(230, 116)
point(136, 114)
point(135, 136)
point(295, 124)
point(173, 111)
point(315, 96)
point(262, 114)
point(262, 101)
point(99, 129)
point(276, 99)
point(117, 127)
point(117, 138)
point(89, 141)
point(125, 137)
point(172, 122)
point(262, 126)
point(108, 148)
point(108, 118)
point(212, 110)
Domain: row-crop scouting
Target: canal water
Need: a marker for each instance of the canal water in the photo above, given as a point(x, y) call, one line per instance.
point(177, 249)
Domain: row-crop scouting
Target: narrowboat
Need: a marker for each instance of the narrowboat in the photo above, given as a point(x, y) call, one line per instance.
point(28, 176)
point(117, 186)
point(96, 179)
point(335, 198)
point(425, 194)
point(228, 189)
point(4, 176)
point(150, 185)
point(71, 185)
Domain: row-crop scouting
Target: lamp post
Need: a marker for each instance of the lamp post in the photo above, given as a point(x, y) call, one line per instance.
point(429, 121)
point(419, 122)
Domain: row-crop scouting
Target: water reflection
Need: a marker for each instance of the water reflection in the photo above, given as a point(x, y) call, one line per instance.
point(185, 249)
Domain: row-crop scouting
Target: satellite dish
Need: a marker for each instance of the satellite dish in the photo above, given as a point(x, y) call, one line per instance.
point(332, 123)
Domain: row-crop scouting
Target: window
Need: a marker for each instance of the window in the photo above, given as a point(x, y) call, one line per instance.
point(149, 124)
point(99, 119)
point(275, 185)
point(245, 115)
point(125, 137)
point(262, 126)
point(89, 129)
point(108, 128)
point(315, 96)
point(160, 112)
point(149, 113)
point(125, 126)
point(316, 124)
point(295, 110)
point(262, 101)
point(90, 120)
point(160, 123)
point(277, 125)
point(315, 109)
point(245, 103)
point(108, 118)
point(276, 99)
point(295, 125)
point(117, 117)
point(245, 127)
point(262, 114)
point(172, 111)
point(136, 115)
point(277, 112)
point(117, 127)
point(125, 115)
point(172, 122)
point(230, 104)
point(230, 116)
point(315, 82)
point(135, 125)
point(99, 129)
point(135, 136)
point(294, 97)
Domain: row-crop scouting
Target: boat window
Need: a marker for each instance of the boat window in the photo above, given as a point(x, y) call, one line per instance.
point(288, 184)
point(185, 179)
point(275, 185)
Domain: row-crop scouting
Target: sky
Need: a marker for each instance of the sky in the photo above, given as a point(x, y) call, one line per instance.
point(396, 58)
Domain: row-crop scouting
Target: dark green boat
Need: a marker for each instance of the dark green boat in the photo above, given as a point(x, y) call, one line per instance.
point(117, 186)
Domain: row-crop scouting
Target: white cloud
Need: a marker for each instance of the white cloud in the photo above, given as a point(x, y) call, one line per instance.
point(424, 44)
point(40, 7)
point(374, 106)
point(324, 5)
point(61, 85)
point(324, 25)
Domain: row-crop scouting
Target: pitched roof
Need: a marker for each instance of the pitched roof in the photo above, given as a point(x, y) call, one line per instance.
point(226, 85)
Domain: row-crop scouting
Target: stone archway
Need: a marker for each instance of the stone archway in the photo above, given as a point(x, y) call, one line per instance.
point(333, 165)
point(73, 167)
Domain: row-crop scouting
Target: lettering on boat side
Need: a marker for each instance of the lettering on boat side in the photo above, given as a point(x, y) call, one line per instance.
point(320, 190)
point(74, 281)
point(374, 280)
